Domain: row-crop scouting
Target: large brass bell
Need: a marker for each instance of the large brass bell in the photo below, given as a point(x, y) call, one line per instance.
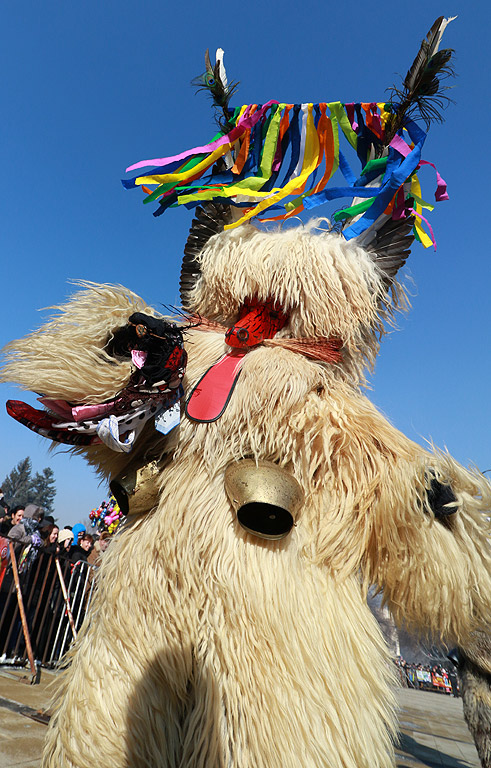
point(265, 497)
point(136, 489)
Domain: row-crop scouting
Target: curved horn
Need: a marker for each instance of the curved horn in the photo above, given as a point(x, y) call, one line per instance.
point(211, 217)
point(210, 220)
point(421, 96)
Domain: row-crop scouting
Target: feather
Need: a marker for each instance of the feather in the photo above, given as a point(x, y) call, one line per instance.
point(422, 95)
point(391, 246)
point(214, 80)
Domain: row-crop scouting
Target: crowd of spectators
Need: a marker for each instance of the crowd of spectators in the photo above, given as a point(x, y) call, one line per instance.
point(426, 677)
point(45, 555)
point(32, 532)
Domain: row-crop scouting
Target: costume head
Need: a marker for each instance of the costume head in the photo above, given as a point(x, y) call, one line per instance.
point(324, 290)
point(286, 158)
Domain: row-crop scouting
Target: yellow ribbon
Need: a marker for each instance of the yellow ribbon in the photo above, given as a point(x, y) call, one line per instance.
point(164, 178)
point(419, 204)
point(310, 162)
point(251, 186)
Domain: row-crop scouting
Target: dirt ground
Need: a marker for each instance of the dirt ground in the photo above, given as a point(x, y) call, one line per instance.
point(433, 732)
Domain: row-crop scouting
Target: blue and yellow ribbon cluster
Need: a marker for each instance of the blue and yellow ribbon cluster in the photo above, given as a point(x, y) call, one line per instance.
point(280, 157)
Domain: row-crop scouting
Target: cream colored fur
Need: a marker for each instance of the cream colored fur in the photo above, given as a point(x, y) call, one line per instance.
point(206, 646)
point(475, 682)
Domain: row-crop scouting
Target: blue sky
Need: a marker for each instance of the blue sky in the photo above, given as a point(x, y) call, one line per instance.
point(89, 88)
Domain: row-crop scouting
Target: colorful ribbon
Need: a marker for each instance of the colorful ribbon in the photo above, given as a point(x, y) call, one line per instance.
point(283, 156)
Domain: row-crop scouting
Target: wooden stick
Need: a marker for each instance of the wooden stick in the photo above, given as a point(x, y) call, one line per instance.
point(21, 609)
point(66, 599)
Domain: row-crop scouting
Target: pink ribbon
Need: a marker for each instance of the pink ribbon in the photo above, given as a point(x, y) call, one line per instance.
point(400, 145)
point(138, 357)
point(243, 125)
point(441, 184)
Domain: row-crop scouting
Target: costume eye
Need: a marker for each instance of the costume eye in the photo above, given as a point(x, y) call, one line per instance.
point(273, 314)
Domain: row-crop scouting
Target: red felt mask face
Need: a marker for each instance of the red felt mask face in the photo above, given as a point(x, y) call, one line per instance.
point(257, 321)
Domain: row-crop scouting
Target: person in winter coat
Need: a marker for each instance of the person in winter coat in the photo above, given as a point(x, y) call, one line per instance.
point(81, 550)
point(31, 524)
point(14, 518)
point(3, 504)
point(65, 540)
point(78, 531)
point(99, 548)
point(19, 532)
point(49, 535)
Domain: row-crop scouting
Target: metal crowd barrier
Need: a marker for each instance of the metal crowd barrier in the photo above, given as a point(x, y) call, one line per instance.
point(55, 596)
point(80, 589)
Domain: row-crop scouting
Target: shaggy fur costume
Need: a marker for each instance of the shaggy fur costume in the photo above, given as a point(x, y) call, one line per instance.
point(206, 646)
point(475, 681)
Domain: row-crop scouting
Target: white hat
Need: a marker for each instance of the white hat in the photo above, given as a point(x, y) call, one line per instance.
point(64, 535)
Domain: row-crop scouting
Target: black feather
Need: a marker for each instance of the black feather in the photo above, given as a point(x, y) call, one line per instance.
point(422, 95)
point(391, 246)
point(420, 62)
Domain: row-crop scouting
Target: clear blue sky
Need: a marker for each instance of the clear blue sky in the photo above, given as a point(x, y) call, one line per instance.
point(89, 88)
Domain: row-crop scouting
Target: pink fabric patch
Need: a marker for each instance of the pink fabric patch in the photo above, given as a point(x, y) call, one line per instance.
point(420, 216)
point(441, 185)
point(245, 122)
point(138, 357)
point(400, 146)
point(82, 412)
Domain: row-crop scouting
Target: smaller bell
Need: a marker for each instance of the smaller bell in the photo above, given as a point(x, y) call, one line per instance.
point(265, 497)
point(136, 489)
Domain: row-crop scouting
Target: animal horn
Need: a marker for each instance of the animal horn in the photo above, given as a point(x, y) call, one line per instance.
point(390, 246)
point(212, 217)
point(210, 220)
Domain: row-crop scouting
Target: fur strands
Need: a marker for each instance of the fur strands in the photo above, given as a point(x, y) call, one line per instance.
point(222, 649)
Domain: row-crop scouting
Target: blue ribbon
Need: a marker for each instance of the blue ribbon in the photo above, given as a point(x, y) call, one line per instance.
point(387, 191)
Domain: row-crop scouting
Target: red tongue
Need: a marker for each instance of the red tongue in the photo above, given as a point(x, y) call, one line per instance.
point(211, 394)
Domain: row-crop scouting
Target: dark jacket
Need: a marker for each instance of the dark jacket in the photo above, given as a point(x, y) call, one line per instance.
point(78, 553)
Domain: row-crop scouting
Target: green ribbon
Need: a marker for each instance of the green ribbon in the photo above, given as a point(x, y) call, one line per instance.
point(353, 210)
point(338, 111)
point(378, 164)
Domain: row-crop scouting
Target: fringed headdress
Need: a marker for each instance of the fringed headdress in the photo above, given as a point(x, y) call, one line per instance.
point(272, 157)
point(284, 158)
